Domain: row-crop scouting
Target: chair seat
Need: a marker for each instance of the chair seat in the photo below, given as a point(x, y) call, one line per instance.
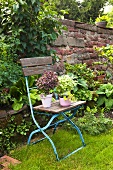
point(57, 108)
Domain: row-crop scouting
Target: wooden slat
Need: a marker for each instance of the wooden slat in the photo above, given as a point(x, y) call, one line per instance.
point(56, 108)
point(35, 61)
point(28, 71)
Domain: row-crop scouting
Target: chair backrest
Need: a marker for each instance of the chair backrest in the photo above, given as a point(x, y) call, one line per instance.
point(36, 65)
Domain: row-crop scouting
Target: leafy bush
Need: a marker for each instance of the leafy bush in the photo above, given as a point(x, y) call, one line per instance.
point(93, 124)
point(10, 131)
point(106, 57)
point(10, 70)
point(19, 94)
point(31, 25)
point(102, 18)
point(9, 73)
point(81, 71)
point(105, 98)
point(84, 78)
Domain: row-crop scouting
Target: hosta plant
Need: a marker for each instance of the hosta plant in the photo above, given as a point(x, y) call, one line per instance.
point(105, 98)
point(19, 94)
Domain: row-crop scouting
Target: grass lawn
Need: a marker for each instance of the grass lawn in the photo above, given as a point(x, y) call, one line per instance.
point(97, 155)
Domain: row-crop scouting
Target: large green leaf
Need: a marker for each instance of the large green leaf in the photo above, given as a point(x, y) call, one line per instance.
point(15, 92)
point(21, 85)
point(109, 103)
point(31, 81)
point(82, 83)
point(17, 105)
point(101, 100)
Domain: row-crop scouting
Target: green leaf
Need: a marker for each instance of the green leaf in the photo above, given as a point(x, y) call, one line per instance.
point(33, 1)
point(21, 2)
point(101, 101)
point(109, 103)
point(16, 7)
point(31, 81)
point(82, 83)
point(17, 105)
point(24, 44)
point(15, 92)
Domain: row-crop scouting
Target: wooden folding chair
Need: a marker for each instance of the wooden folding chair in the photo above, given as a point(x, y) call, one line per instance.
point(37, 65)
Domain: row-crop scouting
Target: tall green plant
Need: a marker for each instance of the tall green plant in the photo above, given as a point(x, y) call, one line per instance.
point(34, 23)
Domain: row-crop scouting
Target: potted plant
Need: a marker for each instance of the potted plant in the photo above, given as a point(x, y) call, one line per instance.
point(66, 98)
point(101, 21)
point(65, 88)
point(46, 84)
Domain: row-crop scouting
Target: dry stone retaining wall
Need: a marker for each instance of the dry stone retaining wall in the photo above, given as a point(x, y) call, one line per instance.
point(76, 45)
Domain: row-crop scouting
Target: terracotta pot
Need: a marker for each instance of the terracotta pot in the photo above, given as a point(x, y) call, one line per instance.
point(64, 102)
point(46, 100)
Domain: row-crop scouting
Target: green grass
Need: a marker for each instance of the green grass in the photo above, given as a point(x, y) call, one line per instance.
point(97, 155)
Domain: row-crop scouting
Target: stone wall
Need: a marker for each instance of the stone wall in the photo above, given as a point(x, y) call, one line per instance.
point(76, 44)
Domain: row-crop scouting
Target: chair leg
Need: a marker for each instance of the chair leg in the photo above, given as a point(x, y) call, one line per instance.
point(42, 130)
point(78, 130)
point(46, 136)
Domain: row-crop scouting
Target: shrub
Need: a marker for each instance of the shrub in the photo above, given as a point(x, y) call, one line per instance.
point(105, 99)
point(12, 129)
point(93, 124)
point(33, 24)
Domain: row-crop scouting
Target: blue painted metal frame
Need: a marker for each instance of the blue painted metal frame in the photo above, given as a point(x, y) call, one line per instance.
point(50, 124)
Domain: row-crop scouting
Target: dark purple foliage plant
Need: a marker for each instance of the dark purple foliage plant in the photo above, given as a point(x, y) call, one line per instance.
point(47, 82)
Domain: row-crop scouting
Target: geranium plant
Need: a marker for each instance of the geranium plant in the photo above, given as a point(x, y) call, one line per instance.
point(47, 82)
